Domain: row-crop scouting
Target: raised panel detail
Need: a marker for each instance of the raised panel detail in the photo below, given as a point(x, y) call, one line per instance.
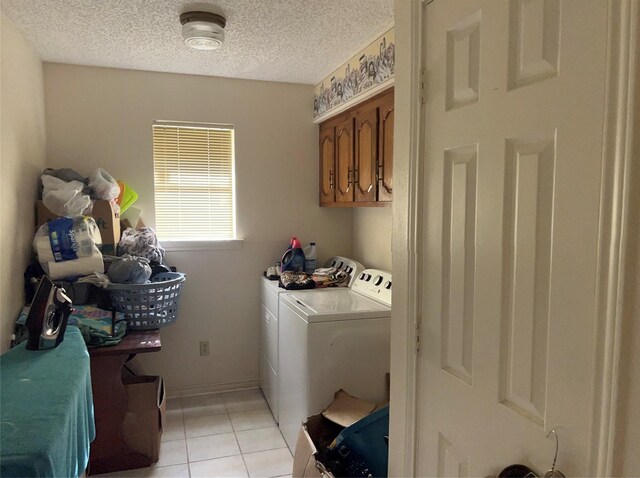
point(366, 150)
point(385, 155)
point(458, 251)
point(450, 462)
point(344, 161)
point(527, 240)
point(534, 41)
point(327, 165)
point(463, 62)
point(366, 143)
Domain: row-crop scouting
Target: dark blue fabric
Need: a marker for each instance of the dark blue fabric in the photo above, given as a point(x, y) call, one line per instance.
point(46, 412)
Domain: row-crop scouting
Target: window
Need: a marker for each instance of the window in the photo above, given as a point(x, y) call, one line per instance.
point(194, 181)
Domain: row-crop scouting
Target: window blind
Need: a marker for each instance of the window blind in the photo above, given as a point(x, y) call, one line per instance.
point(193, 174)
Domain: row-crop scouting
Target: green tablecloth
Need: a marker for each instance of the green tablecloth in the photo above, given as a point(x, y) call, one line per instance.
point(46, 410)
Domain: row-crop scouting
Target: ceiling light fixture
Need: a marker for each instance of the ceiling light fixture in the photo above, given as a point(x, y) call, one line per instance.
point(203, 30)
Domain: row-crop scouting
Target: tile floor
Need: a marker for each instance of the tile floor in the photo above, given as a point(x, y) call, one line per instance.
point(229, 434)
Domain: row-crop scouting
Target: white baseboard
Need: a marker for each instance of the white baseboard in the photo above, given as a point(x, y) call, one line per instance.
point(211, 388)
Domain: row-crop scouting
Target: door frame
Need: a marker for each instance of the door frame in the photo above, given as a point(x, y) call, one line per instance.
point(615, 207)
point(622, 85)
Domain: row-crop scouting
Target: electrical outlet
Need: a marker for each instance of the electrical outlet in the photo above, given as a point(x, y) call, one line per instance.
point(204, 348)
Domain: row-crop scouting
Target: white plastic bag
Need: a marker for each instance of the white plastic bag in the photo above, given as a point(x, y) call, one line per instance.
point(103, 185)
point(64, 198)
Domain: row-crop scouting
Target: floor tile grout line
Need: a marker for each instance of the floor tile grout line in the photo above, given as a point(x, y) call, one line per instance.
point(254, 428)
point(217, 457)
point(242, 455)
point(258, 451)
point(270, 449)
point(211, 434)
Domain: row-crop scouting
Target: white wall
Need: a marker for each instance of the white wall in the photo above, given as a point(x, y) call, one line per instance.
point(103, 117)
point(22, 154)
point(372, 236)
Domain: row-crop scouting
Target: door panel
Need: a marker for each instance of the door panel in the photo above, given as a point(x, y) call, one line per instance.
point(513, 141)
point(366, 142)
point(327, 163)
point(385, 145)
point(344, 160)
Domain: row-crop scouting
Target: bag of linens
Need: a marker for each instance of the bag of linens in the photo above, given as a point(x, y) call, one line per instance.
point(141, 242)
point(69, 247)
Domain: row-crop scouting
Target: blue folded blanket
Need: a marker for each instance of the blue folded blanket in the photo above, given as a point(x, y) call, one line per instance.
point(94, 324)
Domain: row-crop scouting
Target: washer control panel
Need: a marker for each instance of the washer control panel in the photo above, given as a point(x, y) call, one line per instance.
point(374, 283)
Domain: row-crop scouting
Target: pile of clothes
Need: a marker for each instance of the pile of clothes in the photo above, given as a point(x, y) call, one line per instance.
point(330, 277)
point(323, 277)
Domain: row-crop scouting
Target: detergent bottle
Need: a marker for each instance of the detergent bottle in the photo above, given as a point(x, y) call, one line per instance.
point(293, 259)
point(310, 258)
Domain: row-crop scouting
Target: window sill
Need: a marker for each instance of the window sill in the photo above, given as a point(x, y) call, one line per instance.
point(195, 246)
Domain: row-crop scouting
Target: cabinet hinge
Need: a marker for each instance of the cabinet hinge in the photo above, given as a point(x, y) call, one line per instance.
point(422, 84)
point(418, 321)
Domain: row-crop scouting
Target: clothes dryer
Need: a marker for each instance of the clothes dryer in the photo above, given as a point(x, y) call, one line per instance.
point(337, 339)
point(269, 368)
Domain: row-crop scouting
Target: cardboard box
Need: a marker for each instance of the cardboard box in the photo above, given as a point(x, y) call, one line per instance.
point(305, 464)
point(319, 431)
point(146, 411)
point(106, 218)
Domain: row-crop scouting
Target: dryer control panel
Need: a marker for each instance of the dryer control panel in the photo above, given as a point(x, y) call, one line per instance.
point(375, 284)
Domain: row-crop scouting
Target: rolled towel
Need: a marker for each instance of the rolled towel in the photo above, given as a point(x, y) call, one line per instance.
point(75, 268)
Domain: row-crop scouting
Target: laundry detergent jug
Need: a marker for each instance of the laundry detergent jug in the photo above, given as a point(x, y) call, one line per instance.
point(293, 259)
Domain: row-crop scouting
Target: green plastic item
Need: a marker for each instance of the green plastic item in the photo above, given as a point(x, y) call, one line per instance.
point(129, 196)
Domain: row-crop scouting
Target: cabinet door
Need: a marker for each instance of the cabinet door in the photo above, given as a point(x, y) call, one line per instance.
point(327, 163)
point(344, 160)
point(366, 146)
point(385, 151)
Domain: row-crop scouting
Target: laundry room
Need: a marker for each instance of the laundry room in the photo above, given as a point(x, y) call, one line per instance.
point(121, 105)
point(293, 238)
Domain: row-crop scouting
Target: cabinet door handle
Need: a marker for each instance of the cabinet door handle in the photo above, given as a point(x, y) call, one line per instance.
point(331, 179)
point(356, 176)
point(350, 178)
point(380, 171)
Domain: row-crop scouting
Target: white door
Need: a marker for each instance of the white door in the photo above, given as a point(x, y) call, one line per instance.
point(513, 151)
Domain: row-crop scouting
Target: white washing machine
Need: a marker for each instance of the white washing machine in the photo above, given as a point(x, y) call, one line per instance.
point(338, 339)
point(269, 315)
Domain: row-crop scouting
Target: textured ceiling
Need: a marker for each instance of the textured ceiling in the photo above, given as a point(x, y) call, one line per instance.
point(299, 41)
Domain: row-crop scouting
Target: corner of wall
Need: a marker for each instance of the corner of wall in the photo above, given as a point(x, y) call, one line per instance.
point(22, 133)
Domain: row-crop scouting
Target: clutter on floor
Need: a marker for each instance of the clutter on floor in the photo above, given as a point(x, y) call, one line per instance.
point(350, 438)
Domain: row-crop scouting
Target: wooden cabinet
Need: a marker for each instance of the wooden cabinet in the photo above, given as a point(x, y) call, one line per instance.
point(356, 155)
point(344, 160)
point(365, 161)
point(385, 148)
point(327, 161)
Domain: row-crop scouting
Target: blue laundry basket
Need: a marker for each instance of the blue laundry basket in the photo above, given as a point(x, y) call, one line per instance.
point(152, 305)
